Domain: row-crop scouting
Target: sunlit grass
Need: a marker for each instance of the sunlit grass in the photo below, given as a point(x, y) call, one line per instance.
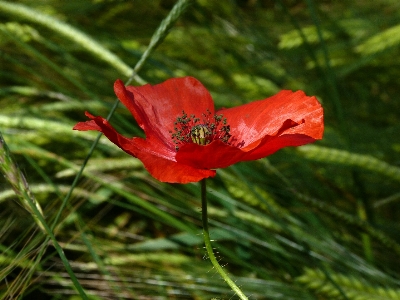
point(317, 222)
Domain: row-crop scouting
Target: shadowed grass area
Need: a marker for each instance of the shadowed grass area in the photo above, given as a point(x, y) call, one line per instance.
point(314, 222)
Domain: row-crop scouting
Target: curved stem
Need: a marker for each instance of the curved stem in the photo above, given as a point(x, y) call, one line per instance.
point(207, 241)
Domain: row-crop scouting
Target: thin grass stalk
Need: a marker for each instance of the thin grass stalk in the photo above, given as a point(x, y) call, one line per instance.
point(172, 221)
point(331, 79)
point(81, 228)
point(349, 159)
point(332, 85)
point(79, 174)
point(157, 38)
point(365, 238)
point(97, 259)
point(24, 282)
point(67, 31)
point(18, 181)
point(21, 188)
point(351, 220)
point(24, 67)
point(310, 49)
point(60, 251)
point(40, 57)
point(159, 35)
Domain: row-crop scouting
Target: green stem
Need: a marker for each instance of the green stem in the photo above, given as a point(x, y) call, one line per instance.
point(21, 188)
point(58, 249)
point(207, 242)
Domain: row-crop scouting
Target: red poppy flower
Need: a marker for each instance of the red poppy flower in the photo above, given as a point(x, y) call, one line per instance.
point(187, 139)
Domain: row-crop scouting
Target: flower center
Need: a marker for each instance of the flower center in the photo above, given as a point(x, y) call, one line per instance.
point(201, 134)
point(189, 129)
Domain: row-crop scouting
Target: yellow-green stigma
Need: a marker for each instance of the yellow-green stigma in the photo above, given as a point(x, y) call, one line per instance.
point(189, 129)
point(201, 134)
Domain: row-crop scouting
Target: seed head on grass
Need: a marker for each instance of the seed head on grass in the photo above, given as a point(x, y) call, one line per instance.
point(18, 181)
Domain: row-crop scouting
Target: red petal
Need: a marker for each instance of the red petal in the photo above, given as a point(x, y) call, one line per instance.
point(128, 99)
point(275, 115)
point(220, 155)
point(166, 170)
point(286, 119)
point(158, 160)
point(163, 103)
point(144, 121)
point(88, 125)
point(212, 156)
point(269, 145)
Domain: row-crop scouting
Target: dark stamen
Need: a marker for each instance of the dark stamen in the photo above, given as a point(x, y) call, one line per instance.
point(189, 129)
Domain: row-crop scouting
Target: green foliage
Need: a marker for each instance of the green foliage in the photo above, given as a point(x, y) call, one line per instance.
point(353, 288)
point(346, 158)
point(316, 222)
point(385, 40)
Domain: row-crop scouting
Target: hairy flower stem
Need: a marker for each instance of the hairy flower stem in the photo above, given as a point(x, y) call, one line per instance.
point(209, 249)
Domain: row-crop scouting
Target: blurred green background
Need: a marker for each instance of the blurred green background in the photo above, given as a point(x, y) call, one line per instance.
point(314, 222)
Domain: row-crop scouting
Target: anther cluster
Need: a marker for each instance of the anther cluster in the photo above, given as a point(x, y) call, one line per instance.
point(190, 129)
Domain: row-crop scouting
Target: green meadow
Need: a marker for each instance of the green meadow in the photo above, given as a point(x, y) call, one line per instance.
point(81, 219)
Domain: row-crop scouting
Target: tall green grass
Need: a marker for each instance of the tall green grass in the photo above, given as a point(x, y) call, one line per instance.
point(316, 222)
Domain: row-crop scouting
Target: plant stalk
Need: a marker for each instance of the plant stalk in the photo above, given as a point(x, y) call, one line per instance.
point(209, 248)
